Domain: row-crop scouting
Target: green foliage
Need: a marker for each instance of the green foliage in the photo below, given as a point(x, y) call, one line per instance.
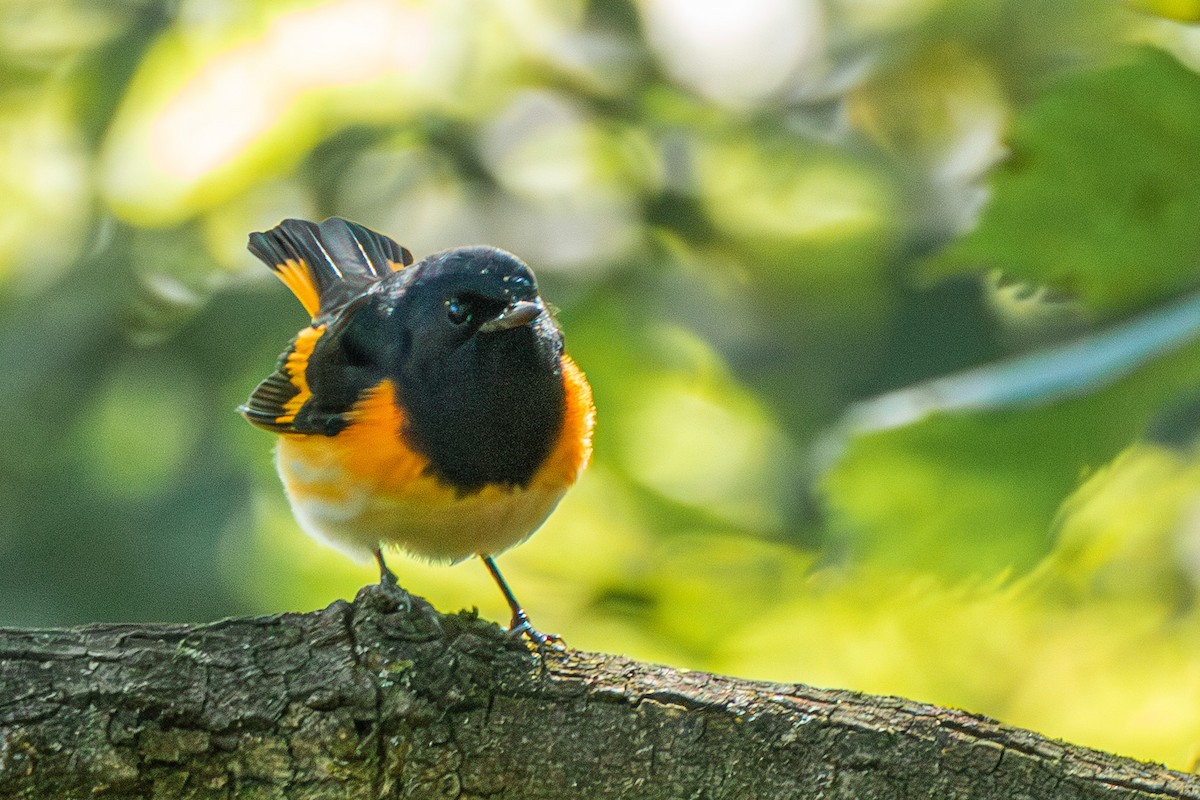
point(1098, 195)
point(975, 494)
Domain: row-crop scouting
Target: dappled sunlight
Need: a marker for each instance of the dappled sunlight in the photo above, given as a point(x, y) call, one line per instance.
point(789, 197)
point(736, 53)
point(912, 635)
point(1110, 676)
point(202, 114)
point(1116, 678)
point(1125, 530)
point(875, 16)
point(703, 445)
point(44, 203)
point(948, 109)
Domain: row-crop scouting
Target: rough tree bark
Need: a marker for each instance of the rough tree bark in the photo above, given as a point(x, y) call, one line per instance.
point(384, 697)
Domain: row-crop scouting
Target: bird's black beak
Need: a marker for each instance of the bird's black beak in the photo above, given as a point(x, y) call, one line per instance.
point(519, 313)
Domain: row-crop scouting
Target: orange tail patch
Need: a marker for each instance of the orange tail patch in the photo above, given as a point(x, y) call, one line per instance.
point(296, 276)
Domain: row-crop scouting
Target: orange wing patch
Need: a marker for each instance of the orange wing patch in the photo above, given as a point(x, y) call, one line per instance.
point(278, 399)
point(296, 368)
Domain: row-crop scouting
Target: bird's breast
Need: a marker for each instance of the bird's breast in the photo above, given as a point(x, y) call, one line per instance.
point(369, 483)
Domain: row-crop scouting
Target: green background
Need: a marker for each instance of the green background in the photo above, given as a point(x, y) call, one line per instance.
point(888, 306)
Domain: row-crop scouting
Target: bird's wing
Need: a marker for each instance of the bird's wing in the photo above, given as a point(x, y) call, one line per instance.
point(279, 398)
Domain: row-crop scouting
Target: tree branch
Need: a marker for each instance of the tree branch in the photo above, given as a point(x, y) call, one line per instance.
point(385, 697)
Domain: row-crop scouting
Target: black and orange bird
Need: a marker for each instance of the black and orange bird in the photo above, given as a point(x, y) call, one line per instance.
point(428, 406)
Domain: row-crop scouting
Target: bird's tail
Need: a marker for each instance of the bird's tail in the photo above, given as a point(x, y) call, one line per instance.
point(329, 264)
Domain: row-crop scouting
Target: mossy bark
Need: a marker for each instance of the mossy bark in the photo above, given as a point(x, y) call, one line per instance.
point(386, 698)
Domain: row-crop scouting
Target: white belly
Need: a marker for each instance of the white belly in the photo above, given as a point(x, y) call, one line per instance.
point(355, 516)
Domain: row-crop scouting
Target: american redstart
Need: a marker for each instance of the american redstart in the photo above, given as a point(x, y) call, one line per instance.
point(428, 406)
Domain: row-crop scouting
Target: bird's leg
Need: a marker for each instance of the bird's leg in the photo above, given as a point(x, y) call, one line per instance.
point(386, 576)
point(520, 620)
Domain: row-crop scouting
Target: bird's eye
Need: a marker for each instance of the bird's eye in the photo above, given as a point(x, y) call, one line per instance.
point(457, 311)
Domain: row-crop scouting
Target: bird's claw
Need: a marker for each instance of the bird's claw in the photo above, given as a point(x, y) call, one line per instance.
point(520, 627)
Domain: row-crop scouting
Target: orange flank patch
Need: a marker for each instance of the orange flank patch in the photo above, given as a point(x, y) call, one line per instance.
point(370, 450)
point(296, 276)
point(573, 450)
point(374, 449)
point(296, 368)
point(396, 266)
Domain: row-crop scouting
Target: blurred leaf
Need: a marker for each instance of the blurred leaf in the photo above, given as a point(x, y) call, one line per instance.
point(1099, 197)
point(1130, 530)
point(1028, 315)
point(708, 446)
point(1181, 10)
point(706, 585)
point(945, 109)
point(1079, 366)
point(888, 631)
point(975, 494)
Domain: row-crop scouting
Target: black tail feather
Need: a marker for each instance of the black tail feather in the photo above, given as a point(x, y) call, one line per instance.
point(342, 259)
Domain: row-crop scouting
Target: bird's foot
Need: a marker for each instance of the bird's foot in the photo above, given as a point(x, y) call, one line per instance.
point(520, 627)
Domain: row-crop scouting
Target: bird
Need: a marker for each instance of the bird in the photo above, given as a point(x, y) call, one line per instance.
point(428, 406)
